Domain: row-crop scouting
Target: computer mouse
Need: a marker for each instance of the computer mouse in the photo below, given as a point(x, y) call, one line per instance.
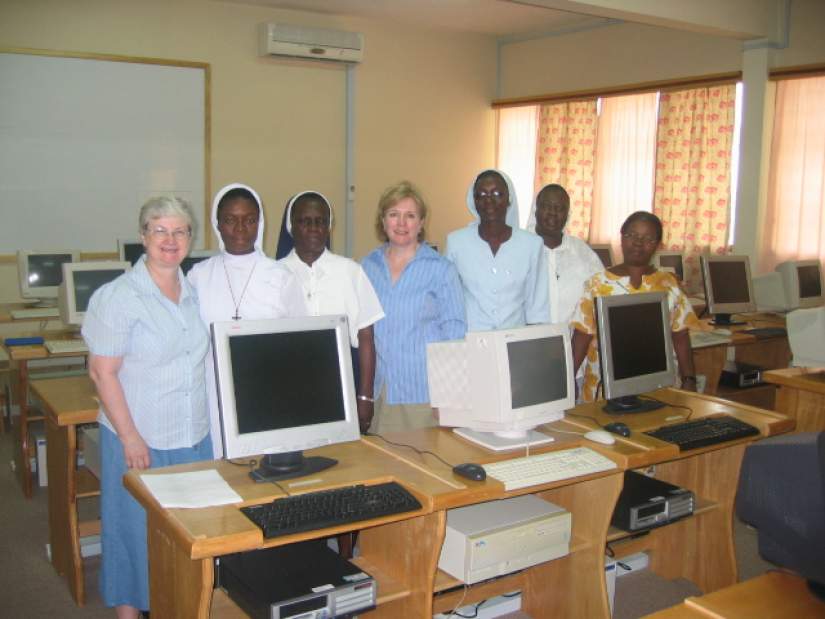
point(617, 427)
point(472, 471)
point(600, 436)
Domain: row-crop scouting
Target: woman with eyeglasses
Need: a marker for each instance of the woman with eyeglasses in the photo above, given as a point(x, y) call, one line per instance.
point(147, 345)
point(641, 236)
point(502, 268)
point(240, 283)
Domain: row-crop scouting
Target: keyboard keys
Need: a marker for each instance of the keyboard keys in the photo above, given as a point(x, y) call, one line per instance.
point(328, 508)
point(703, 432)
point(548, 467)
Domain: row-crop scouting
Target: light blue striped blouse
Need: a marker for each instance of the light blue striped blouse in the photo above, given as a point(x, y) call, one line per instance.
point(163, 346)
point(424, 305)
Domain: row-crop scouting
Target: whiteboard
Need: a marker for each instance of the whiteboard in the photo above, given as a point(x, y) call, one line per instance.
point(84, 142)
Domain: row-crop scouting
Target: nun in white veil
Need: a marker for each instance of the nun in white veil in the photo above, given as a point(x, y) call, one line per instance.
point(502, 268)
point(240, 283)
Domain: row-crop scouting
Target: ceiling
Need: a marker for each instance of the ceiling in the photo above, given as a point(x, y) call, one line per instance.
point(501, 18)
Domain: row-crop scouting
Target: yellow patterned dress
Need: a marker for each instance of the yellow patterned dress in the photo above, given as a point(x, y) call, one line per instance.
point(606, 284)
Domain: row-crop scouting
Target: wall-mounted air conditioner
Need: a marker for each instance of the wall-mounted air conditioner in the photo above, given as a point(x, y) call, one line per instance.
point(302, 42)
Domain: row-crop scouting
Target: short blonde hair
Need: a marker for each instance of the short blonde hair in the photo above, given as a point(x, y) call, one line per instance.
point(165, 206)
point(393, 195)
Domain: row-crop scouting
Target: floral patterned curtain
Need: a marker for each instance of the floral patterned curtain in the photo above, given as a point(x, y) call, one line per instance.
point(565, 154)
point(693, 173)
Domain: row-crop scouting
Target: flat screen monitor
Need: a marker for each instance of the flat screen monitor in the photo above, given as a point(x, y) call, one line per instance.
point(789, 516)
point(497, 386)
point(195, 256)
point(803, 283)
point(728, 287)
point(635, 349)
point(41, 272)
point(672, 261)
point(284, 385)
point(604, 252)
point(80, 280)
point(129, 250)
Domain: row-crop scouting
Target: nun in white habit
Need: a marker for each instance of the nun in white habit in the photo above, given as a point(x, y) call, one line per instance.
point(240, 283)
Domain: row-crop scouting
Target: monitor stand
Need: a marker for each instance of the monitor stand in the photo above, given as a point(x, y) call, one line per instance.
point(631, 404)
point(723, 320)
point(499, 442)
point(44, 303)
point(275, 467)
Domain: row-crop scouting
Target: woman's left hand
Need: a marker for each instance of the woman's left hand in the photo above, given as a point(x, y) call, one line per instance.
point(365, 412)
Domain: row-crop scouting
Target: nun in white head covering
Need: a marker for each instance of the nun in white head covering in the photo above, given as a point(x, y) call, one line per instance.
point(240, 283)
point(502, 269)
point(333, 284)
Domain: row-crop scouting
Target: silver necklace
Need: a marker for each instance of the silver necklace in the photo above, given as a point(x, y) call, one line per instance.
point(237, 303)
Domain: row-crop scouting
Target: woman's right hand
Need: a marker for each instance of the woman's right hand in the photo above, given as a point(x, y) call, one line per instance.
point(136, 452)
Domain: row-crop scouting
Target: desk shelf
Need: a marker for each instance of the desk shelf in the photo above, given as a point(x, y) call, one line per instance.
point(614, 534)
point(87, 484)
point(389, 590)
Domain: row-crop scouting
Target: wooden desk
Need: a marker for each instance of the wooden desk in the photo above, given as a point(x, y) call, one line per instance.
point(402, 552)
point(774, 595)
point(21, 356)
point(68, 402)
point(801, 395)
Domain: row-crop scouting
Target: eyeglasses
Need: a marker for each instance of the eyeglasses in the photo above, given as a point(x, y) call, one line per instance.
point(231, 221)
point(495, 194)
point(177, 234)
point(632, 237)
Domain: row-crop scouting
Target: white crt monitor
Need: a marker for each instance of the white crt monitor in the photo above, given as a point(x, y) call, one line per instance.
point(605, 253)
point(635, 349)
point(129, 250)
point(806, 334)
point(40, 272)
point(195, 256)
point(803, 283)
point(284, 385)
point(80, 280)
point(671, 260)
point(728, 287)
point(497, 386)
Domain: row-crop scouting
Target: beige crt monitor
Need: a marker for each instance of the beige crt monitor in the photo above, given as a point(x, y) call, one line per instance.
point(40, 272)
point(80, 281)
point(605, 253)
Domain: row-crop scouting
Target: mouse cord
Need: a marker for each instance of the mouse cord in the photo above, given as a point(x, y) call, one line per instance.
point(415, 449)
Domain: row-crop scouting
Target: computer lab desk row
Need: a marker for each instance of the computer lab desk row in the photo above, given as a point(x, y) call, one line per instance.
point(402, 551)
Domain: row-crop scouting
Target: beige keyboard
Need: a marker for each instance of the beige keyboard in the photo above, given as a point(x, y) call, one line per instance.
point(60, 347)
point(701, 339)
point(548, 467)
point(35, 312)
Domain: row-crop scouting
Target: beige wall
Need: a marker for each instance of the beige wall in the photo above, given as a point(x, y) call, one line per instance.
point(609, 56)
point(422, 101)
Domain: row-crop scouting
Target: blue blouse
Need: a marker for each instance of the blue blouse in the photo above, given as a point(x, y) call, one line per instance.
point(508, 289)
point(424, 305)
point(163, 346)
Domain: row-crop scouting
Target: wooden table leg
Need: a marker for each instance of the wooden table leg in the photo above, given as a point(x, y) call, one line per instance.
point(23, 465)
point(64, 535)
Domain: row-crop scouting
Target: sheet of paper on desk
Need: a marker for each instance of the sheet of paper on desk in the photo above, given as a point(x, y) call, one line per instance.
point(196, 489)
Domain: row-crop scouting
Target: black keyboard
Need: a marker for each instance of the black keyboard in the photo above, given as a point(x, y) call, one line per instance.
point(703, 432)
point(327, 508)
point(763, 332)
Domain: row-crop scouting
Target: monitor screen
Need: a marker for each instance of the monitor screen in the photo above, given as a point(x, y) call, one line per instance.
point(129, 250)
point(605, 254)
point(41, 272)
point(284, 385)
point(195, 256)
point(537, 371)
point(80, 281)
point(810, 281)
point(635, 348)
point(671, 260)
point(497, 386)
point(728, 286)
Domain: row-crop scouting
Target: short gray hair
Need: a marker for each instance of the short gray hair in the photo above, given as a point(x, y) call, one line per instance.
point(165, 206)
